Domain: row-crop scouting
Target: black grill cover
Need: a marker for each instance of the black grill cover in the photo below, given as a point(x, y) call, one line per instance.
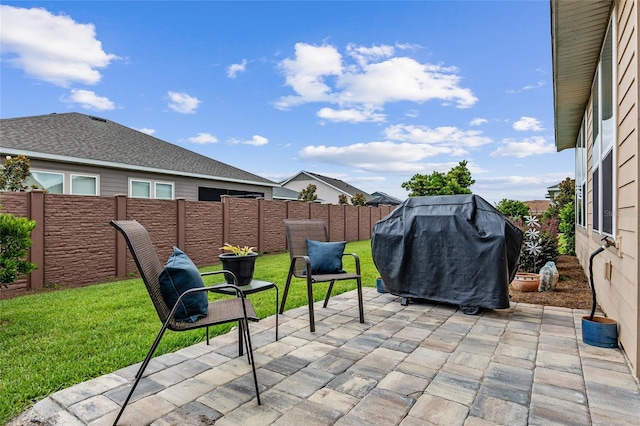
point(454, 249)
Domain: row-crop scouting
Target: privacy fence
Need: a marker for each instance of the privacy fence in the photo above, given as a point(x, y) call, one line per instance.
point(74, 245)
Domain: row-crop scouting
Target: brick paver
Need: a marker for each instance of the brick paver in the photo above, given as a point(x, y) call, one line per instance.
point(421, 364)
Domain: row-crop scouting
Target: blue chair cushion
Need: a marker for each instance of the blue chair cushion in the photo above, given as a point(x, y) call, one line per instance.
point(325, 257)
point(179, 275)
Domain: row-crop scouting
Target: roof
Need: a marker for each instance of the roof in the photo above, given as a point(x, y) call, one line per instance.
point(84, 139)
point(577, 31)
point(383, 198)
point(337, 184)
point(281, 193)
point(537, 206)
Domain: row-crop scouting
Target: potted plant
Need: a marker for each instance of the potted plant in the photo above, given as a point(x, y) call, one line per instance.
point(239, 260)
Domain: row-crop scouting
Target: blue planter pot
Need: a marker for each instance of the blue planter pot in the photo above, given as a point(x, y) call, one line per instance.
point(600, 331)
point(380, 285)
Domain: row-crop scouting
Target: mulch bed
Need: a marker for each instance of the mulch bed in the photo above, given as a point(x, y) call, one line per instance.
point(572, 291)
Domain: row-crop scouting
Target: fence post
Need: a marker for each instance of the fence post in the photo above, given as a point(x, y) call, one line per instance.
point(121, 247)
point(35, 211)
point(261, 219)
point(225, 199)
point(181, 212)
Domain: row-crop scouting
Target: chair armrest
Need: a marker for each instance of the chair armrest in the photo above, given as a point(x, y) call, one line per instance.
point(294, 260)
point(357, 260)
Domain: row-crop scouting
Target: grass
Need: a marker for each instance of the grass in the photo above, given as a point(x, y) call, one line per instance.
point(51, 341)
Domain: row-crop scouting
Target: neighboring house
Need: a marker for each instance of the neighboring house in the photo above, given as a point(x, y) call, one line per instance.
point(380, 198)
point(328, 189)
point(285, 194)
point(537, 207)
point(595, 78)
point(553, 192)
point(74, 153)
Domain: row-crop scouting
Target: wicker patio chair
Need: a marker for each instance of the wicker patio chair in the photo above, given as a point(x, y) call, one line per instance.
point(298, 232)
point(236, 309)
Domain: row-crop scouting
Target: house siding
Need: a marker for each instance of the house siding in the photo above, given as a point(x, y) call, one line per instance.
point(116, 182)
point(619, 297)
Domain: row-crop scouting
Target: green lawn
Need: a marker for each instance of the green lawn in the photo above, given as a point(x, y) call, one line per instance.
point(50, 341)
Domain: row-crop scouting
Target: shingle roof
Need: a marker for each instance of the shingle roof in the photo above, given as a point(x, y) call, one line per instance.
point(83, 139)
point(336, 183)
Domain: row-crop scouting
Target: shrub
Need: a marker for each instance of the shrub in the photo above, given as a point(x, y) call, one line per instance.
point(568, 227)
point(15, 241)
point(513, 208)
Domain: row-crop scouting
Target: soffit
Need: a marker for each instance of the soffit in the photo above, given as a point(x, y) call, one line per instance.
point(577, 30)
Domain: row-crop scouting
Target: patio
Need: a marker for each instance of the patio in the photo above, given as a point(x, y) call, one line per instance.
point(414, 365)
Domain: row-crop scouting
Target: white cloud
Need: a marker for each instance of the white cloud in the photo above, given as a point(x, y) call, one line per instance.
point(320, 74)
point(350, 115)
point(234, 69)
point(257, 140)
point(530, 146)
point(527, 123)
point(183, 103)
point(147, 131)
point(451, 136)
point(89, 100)
point(51, 48)
point(538, 85)
point(203, 138)
point(478, 121)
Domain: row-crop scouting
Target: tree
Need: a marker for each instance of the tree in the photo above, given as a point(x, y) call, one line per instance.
point(455, 181)
point(15, 241)
point(568, 227)
point(342, 199)
point(359, 200)
point(308, 194)
point(513, 208)
point(567, 195)
point(14, 173)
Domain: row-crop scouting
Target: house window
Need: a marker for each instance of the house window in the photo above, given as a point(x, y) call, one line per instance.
point(604, 134)
point(84, 185)
point(164, 190)
point(139, 189)
point(150, 189)
point(581, 178)
point(52, 182)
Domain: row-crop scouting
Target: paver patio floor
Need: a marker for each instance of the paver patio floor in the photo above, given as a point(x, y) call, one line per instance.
point(421, 364)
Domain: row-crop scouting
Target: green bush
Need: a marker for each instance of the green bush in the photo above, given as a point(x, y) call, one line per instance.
point(15, 241)
point(568, 227)
point(513, 208)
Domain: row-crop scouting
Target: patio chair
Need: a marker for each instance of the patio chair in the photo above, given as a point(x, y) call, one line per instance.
point(236, 309)
point(299, 232)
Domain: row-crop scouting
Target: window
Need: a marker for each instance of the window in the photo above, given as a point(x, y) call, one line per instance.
point(164, 190)
point(139, 189)
point(150, 189)
point(581, 178)
point(604, 134)
point(84, 185)
point(50, 181)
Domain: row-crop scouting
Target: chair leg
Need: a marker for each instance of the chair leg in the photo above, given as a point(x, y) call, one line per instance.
point(326, 298)
point(312, 322)
point(143, 367)
point(360, 304)
point(251, 360)
point(285, 293)
point(276, 287)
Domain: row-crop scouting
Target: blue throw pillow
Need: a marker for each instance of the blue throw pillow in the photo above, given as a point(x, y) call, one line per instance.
point(179, 275)
point(326, 257)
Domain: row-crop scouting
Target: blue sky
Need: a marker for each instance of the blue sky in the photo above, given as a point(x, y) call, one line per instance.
point(367, 92)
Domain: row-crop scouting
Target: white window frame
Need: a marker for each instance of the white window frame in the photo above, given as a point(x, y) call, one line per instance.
point(152, 188)
point(598, 152)
point(155, 189)
point(581, 177)
point(97, 179)
point(64, 186)
point(134, 180)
